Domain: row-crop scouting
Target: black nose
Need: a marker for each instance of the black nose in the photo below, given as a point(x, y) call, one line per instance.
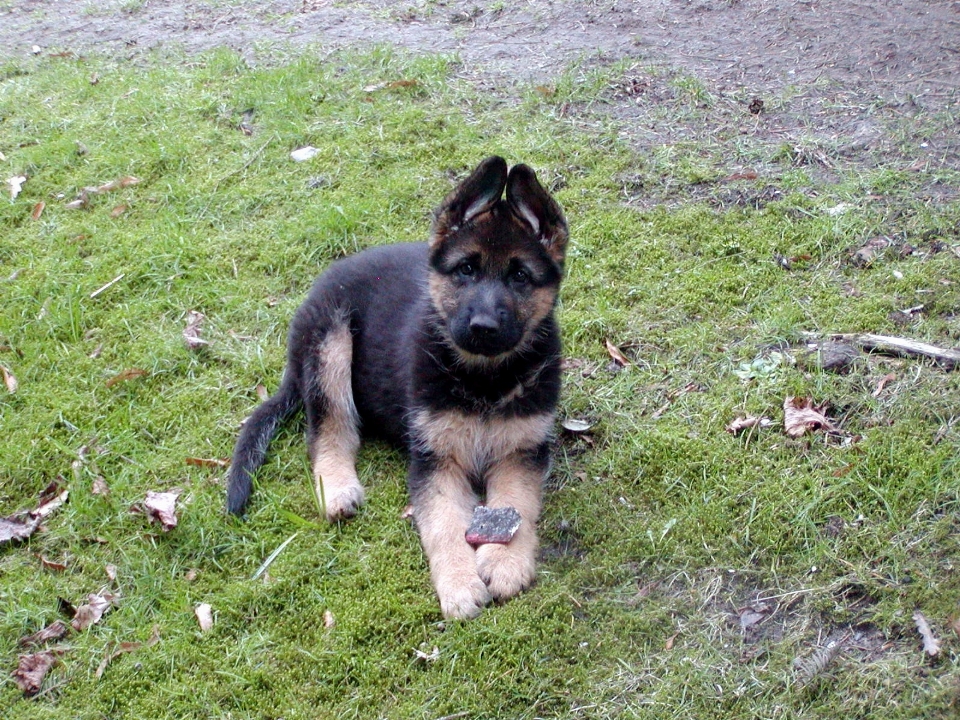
point(484, 324)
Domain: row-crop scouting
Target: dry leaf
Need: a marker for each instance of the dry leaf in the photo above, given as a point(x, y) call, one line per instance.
point(16, 185)
point(801, 416)
point(208, 462)
point(54, 631)
point(870, 250)
point(162, 506)
point(32, 669)
point(90, 613)
point(9, 380)
point(429, 657)
point(51, 498)
point(128, 374)
point(668, 645)
point(111, 655)
point(191, 575)
point(204, 614)
point(99, 486)
point(51, 564)
point(80, 202)
point(262, 392)
point(616, 355)
point(576, 425)
point(111, 571)
point(742, 423)
point(931, 646)
point(118, 211)
point(38, 210)
point(191, 333)
point(889, 377)
point(328, 620)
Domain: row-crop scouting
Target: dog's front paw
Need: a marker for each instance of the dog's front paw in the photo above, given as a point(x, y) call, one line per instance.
point(343, 502)
point(462, 597)
point(505, 570)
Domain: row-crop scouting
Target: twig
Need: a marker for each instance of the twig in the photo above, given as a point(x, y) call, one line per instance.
point(109, 285)
point(898, 346)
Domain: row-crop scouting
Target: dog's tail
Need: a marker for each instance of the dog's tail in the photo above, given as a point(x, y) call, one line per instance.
point(255, 437)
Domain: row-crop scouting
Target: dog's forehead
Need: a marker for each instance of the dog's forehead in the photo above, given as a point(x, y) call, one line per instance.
point(499, 238)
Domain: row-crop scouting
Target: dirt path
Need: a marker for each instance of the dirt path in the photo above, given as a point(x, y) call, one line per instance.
point(843, 65)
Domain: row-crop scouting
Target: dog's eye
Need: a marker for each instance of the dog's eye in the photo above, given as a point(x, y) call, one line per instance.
point(520, 276)
point(466, 269)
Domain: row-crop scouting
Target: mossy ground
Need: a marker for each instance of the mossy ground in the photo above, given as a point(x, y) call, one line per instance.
point(659, 527)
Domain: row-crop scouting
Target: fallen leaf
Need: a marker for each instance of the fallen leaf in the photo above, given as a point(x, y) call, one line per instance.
point(869, 251)
point(115, 184)
point(304, 153)
point(51, 564)
point(668, 645)
point(118, 211)
point(99, 486)
point(90, 613)
point(576, 425)
point(38, 210)
point(111, 571)
point(931, 646)
point(801, 416)
point(154, 636)
point(429, 657)
point(50, 501)
point(616, 355)
point(13, 530)
point(262, 392)
point(208, 462)
point(191, 333)
point(162, 506)
point(328, 620)
point(112, 654)
point(9, 380)
point(81, 201)
point(128, 374)
point(750, 617)
point(32, 669)
point(16, 185)
point(54, 631)
point(742, 423)
point(889, 377)
point(204, 614)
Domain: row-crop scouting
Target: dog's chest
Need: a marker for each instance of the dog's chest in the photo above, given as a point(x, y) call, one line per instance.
point(475, 442)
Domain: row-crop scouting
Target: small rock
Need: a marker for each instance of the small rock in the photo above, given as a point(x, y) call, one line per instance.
point(493, 525)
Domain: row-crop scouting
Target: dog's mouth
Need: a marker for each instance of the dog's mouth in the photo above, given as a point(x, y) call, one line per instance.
point(485, 335)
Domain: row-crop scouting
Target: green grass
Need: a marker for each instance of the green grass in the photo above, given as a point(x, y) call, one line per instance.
point(659, 528)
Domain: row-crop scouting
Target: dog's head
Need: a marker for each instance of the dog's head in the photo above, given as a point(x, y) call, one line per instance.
point(496, 262)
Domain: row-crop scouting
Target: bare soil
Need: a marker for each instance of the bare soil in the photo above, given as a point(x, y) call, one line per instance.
point(873, 83)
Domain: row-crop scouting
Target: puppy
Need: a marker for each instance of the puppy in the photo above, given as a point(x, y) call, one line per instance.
point(450, 350)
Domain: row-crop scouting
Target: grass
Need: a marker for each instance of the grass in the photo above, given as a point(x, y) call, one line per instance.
point(660, 529)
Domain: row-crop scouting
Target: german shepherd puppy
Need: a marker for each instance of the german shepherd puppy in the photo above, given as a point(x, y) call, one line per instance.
point(450, 350)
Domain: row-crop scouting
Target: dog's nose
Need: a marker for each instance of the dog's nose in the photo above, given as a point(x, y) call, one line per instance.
point(484, 324)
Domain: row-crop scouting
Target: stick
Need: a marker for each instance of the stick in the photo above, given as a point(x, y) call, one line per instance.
point(109, 285)
point(898, 346)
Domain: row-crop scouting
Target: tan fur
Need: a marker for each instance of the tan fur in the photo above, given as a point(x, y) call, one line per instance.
point(475, 443)
point(442, 518)
point(334, 451)
point(508, 569)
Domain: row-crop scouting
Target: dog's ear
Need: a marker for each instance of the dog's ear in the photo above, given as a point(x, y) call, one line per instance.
point(533, 206)
point(477, 194)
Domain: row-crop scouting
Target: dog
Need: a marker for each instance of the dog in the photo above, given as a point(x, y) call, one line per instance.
point(450, 350)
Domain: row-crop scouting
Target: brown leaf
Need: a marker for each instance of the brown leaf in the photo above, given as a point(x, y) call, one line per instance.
point(616, 355)
point(161, 506)
point(111, 571)
point(128, 374)
point(865, 255)
point(54, 631)
point(889, 377)
point(49, 502)
point(12, 529)
point(9, 380)
point(262, 392)
point(742, 423)
point(112, 654)
point(208, 462)
point(51, 564)
point(118, 211)
point(668, 645)
point(204, 614)
point(90, 613)
point(99, 486)
point(329, 621)
point(116, 184)
point(96, 352)
point(801, 416)
point(38, 210)
point(191, 333)
point(32, 669)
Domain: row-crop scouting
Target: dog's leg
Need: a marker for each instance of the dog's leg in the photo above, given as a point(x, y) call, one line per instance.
point(517, 482)
point(332, 426)
point(443, 504)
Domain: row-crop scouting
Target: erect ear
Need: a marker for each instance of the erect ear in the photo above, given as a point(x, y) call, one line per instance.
point(531, 204)
point(477, 194)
